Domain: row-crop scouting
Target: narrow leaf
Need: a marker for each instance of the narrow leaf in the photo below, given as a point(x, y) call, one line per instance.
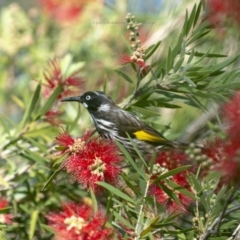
point(180, 189)
point(191, 19)
point(129, 158)
point(33, 222)
point(94, 201)
point(149, 52)
point(169, 62)
point(197, 13)
point(172, 173)
point(124, 75)
point(51, 100)
point(30, 107)
point(145, 112)
point(115, 191)
point(50, 179)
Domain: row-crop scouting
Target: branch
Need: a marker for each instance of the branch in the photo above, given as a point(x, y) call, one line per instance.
point(215, 226)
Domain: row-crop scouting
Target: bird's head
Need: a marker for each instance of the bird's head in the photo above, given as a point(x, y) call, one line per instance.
point(93, 101)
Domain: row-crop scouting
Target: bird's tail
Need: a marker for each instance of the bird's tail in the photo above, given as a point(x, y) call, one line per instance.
point(179, 145)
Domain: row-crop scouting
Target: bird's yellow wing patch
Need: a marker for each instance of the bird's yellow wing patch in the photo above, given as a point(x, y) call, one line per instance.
point(145, 136)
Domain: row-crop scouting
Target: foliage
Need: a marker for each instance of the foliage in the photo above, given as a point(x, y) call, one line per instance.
point(188, 194)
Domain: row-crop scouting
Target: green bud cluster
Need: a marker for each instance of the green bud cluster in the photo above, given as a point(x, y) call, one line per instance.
point(134, 34)
point(158, 169)
point(195, 153)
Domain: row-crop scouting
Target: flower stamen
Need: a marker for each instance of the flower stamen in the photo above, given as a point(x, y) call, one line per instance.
point(98, 167)
point(75, 222)
point(77, 146)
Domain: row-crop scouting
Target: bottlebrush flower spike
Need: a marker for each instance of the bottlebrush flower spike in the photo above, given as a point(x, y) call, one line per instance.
point(90, 159)
point(52, 116)
point(64, 11)
point(225, 153)
point(5, 218)
point(138, 55)
point(54, 77)
point(219, 10)
point(79, 222)
point(168, 161)
point(231, 112)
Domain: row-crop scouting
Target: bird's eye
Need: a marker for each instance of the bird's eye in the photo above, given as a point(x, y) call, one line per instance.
point(88, 97)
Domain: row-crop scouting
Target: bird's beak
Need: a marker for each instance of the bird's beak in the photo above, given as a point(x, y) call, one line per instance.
point(73, 99)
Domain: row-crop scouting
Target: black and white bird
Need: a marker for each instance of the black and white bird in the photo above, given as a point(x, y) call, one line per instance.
point(112, 122)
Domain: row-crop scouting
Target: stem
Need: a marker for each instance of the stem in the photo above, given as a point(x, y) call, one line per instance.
point(137, 235)
point(135, 91)
point(217, 222)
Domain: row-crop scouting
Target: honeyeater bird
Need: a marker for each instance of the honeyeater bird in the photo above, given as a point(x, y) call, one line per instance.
point(112, 122)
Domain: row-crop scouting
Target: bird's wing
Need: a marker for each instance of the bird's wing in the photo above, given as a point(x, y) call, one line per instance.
point(135, 128)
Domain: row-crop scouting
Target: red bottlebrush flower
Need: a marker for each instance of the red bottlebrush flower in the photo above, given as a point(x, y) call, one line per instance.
point(225, 158)
point(52, 117)
point(124, 59)
point(142, 65)
point(167, 161)
point(5, 218)
point(54, 78)
point(90, 159)
point(220, 10)
point(225, 153)
point(231, 112)
point(79, 222)
point(63, 11)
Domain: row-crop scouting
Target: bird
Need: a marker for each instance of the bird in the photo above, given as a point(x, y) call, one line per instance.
point(117, 124)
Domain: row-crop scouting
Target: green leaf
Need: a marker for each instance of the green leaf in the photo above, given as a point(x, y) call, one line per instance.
point(145, 112)
point(185, 25)
point(30, 107)
point(169, 62)
point(4, 125)
point(137, 151)
point(210, 55)
point(224, 64)
point(172, 173)
point(169, 192)
point(129, 158)
point(126, 223)
point(33, 222)
point(94, 201)
point(197, 13)
point(124, 75)
point(180, 189)
point(48, 228)
point(178, 65)
point(194, 182)
point(197, 36)
point(150, 50)
point(51, 100)
point(191, 19)
point(116, 192)
point(150, 226)
point(189, 81)
point(50, 179)
point(5, 210)
point(33, 156)
point(234, 86)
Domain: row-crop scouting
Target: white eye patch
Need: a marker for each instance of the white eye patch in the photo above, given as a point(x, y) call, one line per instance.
point(88, 97)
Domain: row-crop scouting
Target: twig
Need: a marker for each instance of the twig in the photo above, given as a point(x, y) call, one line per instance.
point(137, 235)
point(236, 234)
point(215, 226)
